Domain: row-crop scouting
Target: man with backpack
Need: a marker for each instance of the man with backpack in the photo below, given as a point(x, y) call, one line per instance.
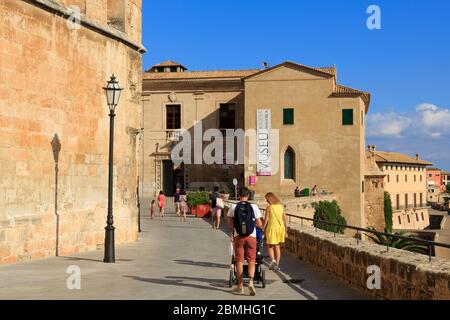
point(243, 219)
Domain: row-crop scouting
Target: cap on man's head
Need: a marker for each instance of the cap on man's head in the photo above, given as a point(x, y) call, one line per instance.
point(244, 192)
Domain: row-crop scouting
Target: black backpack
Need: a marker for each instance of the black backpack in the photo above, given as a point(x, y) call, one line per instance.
point(244, 219)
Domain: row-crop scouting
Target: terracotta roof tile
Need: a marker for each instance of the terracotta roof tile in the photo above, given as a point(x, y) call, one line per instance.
point(168, 63)
point(395, 157)
point(198, 74)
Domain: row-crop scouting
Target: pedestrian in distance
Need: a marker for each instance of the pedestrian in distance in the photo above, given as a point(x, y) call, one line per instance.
point(183, 206)
point(152, 209)
point(217, 205)
point(274, 229)
point(161, 204)
point(176, 201)
point(243, 219)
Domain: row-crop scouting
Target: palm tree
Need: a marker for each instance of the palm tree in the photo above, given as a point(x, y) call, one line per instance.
point(399, 243)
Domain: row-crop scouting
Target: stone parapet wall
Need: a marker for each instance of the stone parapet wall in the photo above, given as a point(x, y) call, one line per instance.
point(404, 275)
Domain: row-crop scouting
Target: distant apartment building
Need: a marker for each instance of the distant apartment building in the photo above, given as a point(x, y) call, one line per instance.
point(446, 178)
point(435, 178)
point(320, 123)
point(406, 182)
point(434, 194)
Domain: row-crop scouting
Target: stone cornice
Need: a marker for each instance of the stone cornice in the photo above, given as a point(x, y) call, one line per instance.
point(60, 10)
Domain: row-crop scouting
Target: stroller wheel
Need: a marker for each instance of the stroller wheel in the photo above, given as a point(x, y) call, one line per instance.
point(231, 280)
point(263, 276)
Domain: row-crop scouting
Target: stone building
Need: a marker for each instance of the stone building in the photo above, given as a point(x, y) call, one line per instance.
point(308, 131)
point(374, 193)
point(54, 124)
point(405, 180)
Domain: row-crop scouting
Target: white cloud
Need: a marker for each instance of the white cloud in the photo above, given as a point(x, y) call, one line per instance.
point(424, 130)
point(387, 125)
point(434, 119)
point(426, 120)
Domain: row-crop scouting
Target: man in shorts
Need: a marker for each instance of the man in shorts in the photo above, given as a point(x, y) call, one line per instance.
point(245, 247)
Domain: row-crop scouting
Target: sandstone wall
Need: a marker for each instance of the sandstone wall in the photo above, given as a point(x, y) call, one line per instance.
point(404, 275)
point(374, 203)
point(51, 80)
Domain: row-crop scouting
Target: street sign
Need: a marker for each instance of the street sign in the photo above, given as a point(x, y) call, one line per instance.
point(235, 182)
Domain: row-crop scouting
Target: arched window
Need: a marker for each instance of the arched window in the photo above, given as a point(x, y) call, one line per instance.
point(289, 164)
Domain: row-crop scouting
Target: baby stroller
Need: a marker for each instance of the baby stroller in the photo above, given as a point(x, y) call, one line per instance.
point(260, 274)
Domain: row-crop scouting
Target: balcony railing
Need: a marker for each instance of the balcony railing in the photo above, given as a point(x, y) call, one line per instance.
point(411, 207)
point(174, 135)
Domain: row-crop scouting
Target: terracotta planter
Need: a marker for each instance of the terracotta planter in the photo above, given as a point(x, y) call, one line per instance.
point(201, 210)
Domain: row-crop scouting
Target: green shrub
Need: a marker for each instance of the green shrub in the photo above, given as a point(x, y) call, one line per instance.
point(388, 222)
point(197, 198)
point(447, 188)
point(330, 212)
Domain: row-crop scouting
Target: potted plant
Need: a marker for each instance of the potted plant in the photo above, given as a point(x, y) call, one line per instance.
point(199, 203)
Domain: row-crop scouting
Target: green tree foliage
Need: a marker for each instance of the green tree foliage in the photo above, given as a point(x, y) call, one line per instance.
point(388, 222)
point(403, 244)
point(330, 212)
point(447, 188)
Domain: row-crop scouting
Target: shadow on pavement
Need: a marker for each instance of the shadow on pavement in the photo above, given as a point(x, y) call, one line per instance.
point(214, 284)
point(203, 264)
point(93, 260)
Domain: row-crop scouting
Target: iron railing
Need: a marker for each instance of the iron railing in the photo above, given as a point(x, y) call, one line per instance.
point(428, 243)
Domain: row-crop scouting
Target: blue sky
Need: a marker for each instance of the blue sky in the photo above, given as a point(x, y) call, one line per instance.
point(405, 65)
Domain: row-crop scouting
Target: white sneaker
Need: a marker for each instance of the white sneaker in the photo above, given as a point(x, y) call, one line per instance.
point(251, 288)
point(273, 265)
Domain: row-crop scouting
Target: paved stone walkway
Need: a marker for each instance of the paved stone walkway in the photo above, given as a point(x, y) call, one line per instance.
point(172, 260)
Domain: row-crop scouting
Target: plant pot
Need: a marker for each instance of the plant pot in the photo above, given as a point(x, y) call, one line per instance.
point(201, 210)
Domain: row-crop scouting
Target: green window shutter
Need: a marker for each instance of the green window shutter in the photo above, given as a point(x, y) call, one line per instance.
point(347, 117)
point(288, 116)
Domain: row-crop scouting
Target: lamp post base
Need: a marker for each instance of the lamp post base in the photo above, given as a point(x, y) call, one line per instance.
point(109, 245)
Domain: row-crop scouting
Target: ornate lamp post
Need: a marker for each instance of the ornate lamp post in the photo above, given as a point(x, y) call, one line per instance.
point(112, 97)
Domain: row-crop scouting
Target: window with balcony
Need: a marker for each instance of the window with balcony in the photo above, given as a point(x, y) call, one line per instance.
point(227, 116)
point(173, 117)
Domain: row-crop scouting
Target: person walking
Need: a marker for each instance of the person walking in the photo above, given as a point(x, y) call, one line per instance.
point(183, 206)
point(152, 209)
point(216, 210)
point(161, 204)
point(177, 201)
point(274, 229)
point(243, 219)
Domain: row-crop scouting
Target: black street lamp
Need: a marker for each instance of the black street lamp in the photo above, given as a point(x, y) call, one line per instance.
point(112, 97)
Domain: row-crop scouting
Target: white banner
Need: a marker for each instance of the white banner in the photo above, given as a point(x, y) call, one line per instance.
point(263, 148)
